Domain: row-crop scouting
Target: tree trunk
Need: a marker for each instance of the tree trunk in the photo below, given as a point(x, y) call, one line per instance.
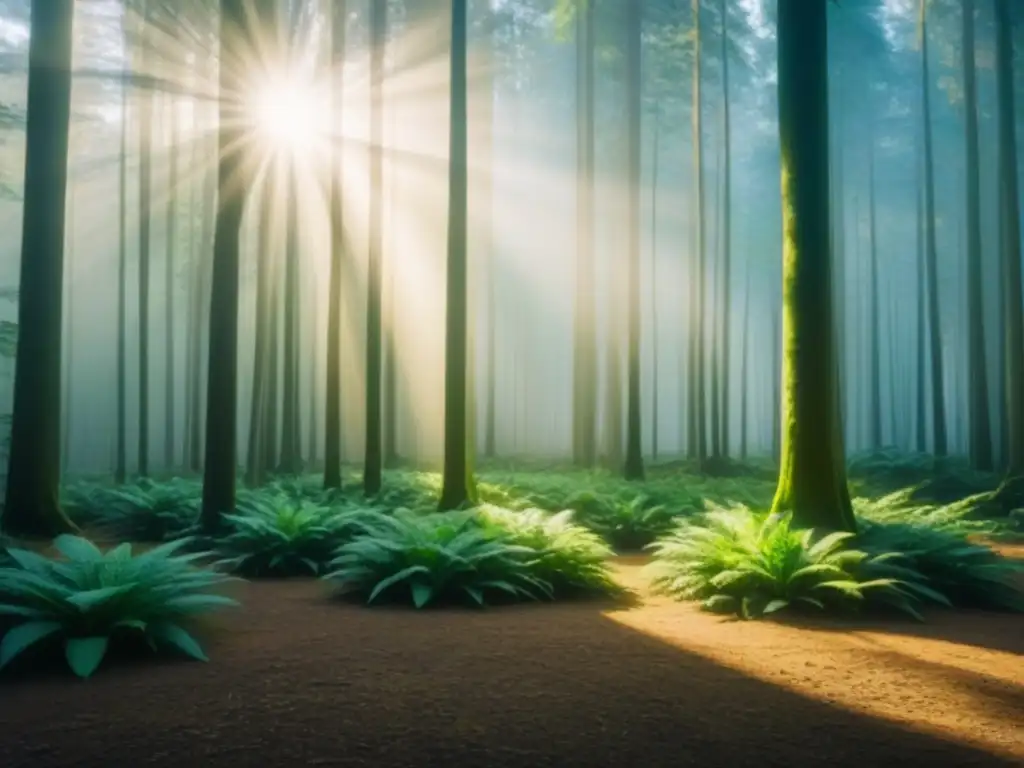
point(744, 369)
point(812, 474)
point(32, 505)
point(655, 151)
point(726, 235)
point(980, 417)
point(332, 405)
point(373, 455)
point(875, 344)
point(698, 377)
point(169, 278)
point(456, 489)
point(931, 250)
point(634, 465)
point(145, 223)
point(1009, 199)
point(121, 449)
point(222, 366)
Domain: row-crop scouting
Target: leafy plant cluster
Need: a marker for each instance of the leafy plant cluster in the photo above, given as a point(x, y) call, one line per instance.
point(477, 556)
point(750, 564)
point(88, 599)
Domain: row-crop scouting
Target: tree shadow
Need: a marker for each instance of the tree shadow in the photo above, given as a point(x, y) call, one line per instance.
point(295, 681)
point(992, 630)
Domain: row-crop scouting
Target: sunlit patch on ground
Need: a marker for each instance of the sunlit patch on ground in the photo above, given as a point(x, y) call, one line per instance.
point(959, 675)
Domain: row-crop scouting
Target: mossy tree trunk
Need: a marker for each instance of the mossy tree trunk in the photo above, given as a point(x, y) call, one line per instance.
point(634, 464)
point(32, 505)
point(457, 486)
point(170, 256)
point(875, 341)
point(145, 224)
point(812, 475)
point(698, 384)
point(655, 157)
point(726, 235)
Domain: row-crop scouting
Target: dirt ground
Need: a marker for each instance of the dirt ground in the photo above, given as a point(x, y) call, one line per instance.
point(296, 681)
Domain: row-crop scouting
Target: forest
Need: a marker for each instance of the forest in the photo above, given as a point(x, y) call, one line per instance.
point(511, 382)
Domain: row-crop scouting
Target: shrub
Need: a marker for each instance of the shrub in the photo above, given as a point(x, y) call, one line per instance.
point(734, 560)
point(567, 556)
point(626, 524)
point(147, 510)
point(278, 536)
point(970, 575)
point(433, 558)
point(89, 597)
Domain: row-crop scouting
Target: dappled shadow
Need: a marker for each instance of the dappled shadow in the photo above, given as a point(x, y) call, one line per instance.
point(297, 680)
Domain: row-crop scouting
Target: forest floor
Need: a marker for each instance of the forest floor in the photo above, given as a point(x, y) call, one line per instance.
point(295, 681)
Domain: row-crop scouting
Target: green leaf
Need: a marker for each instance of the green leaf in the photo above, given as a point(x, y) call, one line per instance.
point(84, 654)
point(775, 605)
point(21, 637)
point(395, 578)
point(174, 635)
point(77, 549)
point(422, 592)
point(90, 598)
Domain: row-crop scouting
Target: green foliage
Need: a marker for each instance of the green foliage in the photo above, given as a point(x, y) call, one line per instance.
point(566, 556)
point(88, 597)
point(738, 561)
point(433, 558)
point(970, 575)
point(147, 510)
point(279, 536)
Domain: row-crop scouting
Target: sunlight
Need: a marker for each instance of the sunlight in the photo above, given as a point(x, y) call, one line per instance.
point(290, 114)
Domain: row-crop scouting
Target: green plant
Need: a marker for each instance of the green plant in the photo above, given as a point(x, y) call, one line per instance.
point(147, 510)
point(278, 536)
point(88, 597)
point(433, 558)
point(567, 556)
point(970, 575)
point(735, 560)
point(627, 524)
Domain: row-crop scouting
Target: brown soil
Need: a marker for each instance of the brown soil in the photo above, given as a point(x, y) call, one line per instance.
point(294, 681)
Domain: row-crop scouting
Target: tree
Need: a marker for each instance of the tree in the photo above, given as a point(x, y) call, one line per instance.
point(980, 420)
point(1009, 216)
point(373, 454)
point(121, 449)
point(32, 506)
point(812, 475)
point(634, 466)
point(456, 489)
point(332, 407)
point(236, 40)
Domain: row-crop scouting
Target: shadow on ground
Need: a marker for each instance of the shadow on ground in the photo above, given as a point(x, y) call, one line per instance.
point(295, 681)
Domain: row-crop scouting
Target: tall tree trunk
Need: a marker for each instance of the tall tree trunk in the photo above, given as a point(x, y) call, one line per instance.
point(726, 236)
point(69, 328)
point(634, 466)
point(121, 448)
point(931, 251)
point(1009, 210)
point(32, 506)
point(655, 151)
point(222, 366)
point(332, 402)
point(169, 279)
point(745, 369)
point(875, 346)
point(812, 476)
point(698, 375)
point(255, 466)
point(585, 341)
point(485, 219)
point(980, 417)
point(145, 223)
point(373, 455)
point(456, 489)
point(920, 426)
point(289, 462)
